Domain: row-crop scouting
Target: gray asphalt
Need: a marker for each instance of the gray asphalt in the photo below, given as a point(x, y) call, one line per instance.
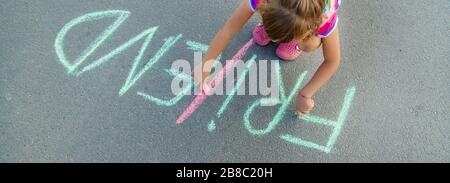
point(395, 53)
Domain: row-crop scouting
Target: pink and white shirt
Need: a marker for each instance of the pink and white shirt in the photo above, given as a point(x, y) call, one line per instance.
point(330, 21)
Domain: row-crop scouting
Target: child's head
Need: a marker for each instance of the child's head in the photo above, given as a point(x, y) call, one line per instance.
point(286, 20)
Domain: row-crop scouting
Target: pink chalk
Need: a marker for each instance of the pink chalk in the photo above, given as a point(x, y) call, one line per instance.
point(199, 100)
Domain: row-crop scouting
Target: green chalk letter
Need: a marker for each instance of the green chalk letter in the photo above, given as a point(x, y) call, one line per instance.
point(59, 42)
point(336, 125)
point(283, 100)
point(133, 76)
point(167, 103)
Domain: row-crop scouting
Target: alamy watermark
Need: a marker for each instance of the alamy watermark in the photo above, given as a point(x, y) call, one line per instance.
point(222, 80)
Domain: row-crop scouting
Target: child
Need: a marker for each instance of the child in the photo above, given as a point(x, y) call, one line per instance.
point(298, 25)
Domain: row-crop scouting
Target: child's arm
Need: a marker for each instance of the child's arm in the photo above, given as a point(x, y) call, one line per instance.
point(234, 24)
point(332, 54)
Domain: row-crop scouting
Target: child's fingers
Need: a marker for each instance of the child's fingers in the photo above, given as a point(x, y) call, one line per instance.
point(198, 82)
point(304, 112)
point(305, 109)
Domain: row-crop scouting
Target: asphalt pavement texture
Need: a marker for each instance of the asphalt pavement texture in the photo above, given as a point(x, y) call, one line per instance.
point(394, 53)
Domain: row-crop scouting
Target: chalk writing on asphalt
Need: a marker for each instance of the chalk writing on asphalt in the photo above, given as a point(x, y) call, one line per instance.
point(73, 68)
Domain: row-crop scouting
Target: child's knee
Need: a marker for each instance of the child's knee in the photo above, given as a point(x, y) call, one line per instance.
point(310, 48)
point(311, 45)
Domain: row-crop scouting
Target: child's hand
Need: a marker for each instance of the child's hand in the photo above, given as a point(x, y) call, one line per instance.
point(304, 104)
point(199, 78)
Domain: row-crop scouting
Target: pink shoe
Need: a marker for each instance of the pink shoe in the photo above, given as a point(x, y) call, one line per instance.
point(289, 51)
point(260, 35)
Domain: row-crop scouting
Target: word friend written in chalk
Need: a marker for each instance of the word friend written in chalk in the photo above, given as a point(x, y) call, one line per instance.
point(74, 69)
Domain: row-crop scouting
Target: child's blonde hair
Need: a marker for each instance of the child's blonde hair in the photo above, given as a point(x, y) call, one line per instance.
point(286, 20)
